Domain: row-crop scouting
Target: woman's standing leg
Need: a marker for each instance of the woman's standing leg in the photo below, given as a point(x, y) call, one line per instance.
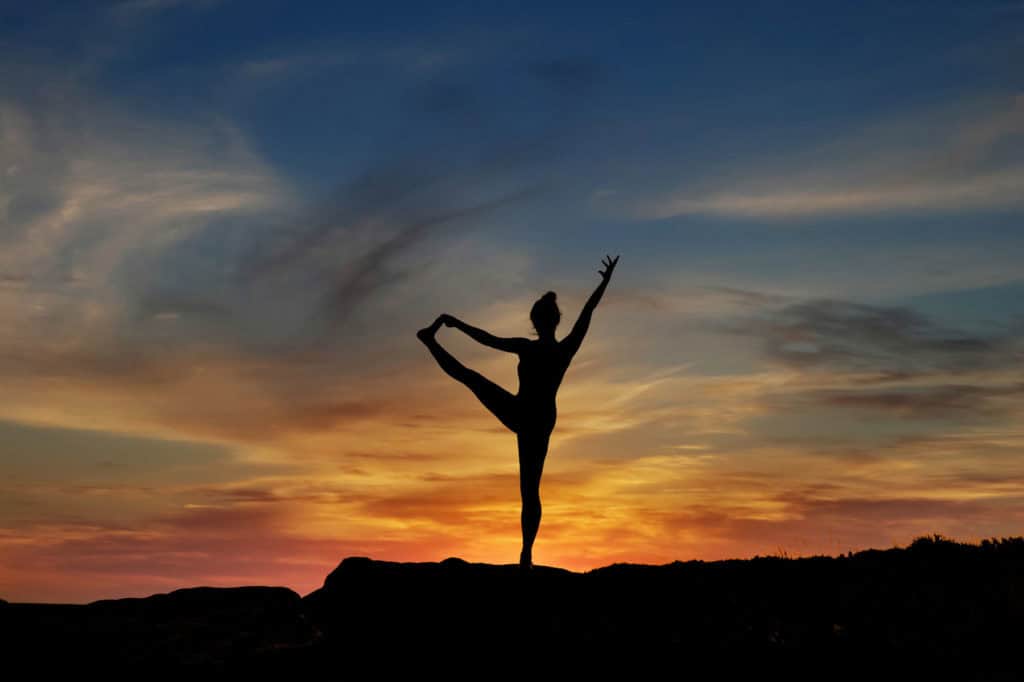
point(533, 449)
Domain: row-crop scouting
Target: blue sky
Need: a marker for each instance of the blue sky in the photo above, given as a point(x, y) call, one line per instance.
point(223, 222)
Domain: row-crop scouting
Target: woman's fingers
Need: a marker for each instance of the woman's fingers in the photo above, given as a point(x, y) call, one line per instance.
point(609, 264)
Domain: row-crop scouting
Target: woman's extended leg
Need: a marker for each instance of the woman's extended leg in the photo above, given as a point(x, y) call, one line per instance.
point(495, 398)
point(533, 449)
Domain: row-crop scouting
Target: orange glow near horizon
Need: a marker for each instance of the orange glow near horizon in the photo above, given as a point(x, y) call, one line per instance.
point(633, 475)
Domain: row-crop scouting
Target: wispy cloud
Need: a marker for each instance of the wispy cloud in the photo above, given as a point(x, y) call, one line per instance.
point(941, 401)
point(414, 59)
point(983, 191)
point(958, 159)
point(87, 206)
point(847, 336)
point(139, 8)
point(865, 378)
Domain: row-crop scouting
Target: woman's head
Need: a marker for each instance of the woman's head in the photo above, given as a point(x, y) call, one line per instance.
point(545, 314)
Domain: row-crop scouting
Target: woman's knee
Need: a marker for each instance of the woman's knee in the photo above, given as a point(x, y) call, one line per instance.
point(529, 489)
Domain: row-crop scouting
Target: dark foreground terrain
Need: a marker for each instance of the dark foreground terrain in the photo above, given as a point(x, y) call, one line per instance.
point(934, 610)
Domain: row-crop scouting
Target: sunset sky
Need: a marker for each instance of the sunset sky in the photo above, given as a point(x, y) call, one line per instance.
point(222, 222)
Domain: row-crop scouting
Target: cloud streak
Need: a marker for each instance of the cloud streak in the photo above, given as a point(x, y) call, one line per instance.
point(936, 402)
point(856, 337)
point(937, 162)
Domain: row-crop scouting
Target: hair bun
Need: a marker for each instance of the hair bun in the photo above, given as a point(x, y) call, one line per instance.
point(549, 296)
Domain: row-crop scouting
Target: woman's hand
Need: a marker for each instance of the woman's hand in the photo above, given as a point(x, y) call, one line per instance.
point(609, 267)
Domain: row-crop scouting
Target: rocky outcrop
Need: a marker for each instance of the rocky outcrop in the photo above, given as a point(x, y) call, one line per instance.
point(199, 627)
point(936, 609)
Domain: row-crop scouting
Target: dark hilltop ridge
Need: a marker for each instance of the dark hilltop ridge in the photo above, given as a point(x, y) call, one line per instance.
point(939, 608)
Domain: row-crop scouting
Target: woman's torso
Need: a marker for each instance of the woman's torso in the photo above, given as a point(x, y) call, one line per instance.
point(541, 368)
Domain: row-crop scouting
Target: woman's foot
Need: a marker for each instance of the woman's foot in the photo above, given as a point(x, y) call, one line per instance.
point(525, 561)
point(427, 333)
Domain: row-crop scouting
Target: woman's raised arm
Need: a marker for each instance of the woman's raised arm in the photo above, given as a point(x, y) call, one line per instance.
point(572, 342)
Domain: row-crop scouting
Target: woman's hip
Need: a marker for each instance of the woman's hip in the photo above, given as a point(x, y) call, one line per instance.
point(538, 417)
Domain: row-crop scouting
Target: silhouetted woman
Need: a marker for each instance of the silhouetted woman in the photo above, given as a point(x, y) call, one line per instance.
point(531, 413)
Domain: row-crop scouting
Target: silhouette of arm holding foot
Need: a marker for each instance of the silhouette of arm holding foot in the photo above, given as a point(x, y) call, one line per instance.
point(509, 345)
